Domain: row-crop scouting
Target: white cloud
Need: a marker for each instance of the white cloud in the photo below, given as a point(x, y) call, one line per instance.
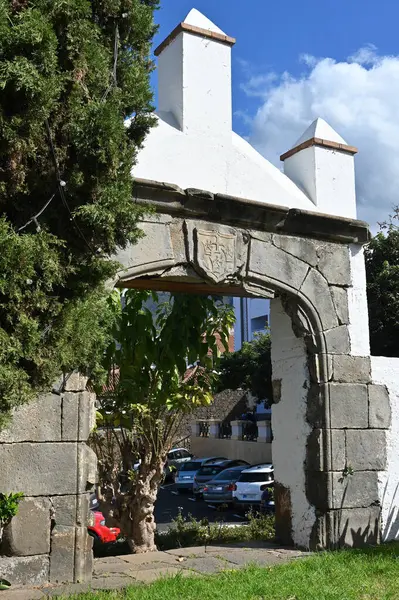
point(359, 98)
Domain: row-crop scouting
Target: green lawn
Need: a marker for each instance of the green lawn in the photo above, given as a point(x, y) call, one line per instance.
point(371, 574)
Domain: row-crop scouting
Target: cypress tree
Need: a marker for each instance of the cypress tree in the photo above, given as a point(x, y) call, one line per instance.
point(75, 107)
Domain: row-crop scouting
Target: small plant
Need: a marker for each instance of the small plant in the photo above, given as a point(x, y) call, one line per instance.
point(8, 509)
point(188, 531)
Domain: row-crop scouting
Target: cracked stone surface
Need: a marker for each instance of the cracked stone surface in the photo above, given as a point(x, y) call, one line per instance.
point(119, 572)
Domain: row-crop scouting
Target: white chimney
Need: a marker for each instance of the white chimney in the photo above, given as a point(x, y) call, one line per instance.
point(194, 77)
point(322, 165)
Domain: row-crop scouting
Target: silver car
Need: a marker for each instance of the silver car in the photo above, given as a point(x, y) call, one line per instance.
point(185, 475)
point(220, 489)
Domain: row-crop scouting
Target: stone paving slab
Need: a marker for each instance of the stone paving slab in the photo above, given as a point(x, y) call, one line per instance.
point(21, 594)
point(118, 572)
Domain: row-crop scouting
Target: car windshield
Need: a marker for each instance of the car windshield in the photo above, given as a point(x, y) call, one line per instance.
point(191, 465)
point(209, 471)
point(227, 475)
point(255, 477)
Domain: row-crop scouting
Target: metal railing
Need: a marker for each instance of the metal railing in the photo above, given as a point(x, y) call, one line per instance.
point(225, 430)
point(249, 431)
point(203, 429)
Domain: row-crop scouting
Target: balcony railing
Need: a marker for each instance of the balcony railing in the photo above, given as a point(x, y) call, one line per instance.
point(203, 427)
point(225, 430)
point(247, 431)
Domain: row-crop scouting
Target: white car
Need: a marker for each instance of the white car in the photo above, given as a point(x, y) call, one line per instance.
point(175, 458)
point(250, 485)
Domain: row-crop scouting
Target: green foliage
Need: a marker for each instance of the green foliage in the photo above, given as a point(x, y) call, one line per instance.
point(249, 368)
point(382, 270)
point(151, 355)
point(185, 532)
point(65, 95)
point(9, 507)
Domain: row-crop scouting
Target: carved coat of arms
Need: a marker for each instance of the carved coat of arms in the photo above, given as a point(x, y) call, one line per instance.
point(216, 253)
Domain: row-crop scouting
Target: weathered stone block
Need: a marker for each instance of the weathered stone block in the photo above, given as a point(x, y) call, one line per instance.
point(266, 259)
point(340, 300)
point(62, 557)
point(37, 421)
point(357, 490)
point(78, 415)
point(64, 509)
point(315, 287)
point(87, 467)
point(83, 555)
point(75, 382)
point(348, 405)
point(320, 367)
point(337, 340)
point(334, 263)
point(19, 570)
point(28, 534)
point(315, 406)
point(379, 407)
point(82, 509)
point(70, 416)
point(302, 248)
point(366, 449)
point(326, 450)
point(351, 369)
point(353, 528)
point(38, 469)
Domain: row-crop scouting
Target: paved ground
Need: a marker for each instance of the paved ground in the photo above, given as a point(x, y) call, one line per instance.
point(169, 501)
point(118, 572)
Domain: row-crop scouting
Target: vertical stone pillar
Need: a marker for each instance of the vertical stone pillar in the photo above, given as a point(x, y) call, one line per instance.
point(52, 465)
point(236, 430)
point(214, 428)
point(195, 428)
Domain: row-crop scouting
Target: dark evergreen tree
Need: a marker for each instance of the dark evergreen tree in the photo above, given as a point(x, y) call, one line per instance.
point(249, 368)
point(71, 73)
point(382, 270)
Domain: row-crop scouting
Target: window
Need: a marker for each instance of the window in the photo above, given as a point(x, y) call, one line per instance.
point(255, 477)
point(191, 465)
point(209, 471)
point(185, 454)
point(228, 475)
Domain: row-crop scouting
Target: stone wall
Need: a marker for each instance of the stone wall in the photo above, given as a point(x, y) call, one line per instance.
point(44, 455)
point(385, 414)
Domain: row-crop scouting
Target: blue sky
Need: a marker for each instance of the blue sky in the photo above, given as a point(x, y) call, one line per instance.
point(352, 79)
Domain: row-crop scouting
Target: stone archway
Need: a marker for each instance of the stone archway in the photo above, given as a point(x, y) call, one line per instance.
point(204, 243)
point(329, 420)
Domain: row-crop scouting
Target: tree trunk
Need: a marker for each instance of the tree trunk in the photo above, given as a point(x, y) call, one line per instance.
point(137, 510)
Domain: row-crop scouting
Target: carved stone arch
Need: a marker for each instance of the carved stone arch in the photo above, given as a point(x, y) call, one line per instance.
point(204, 243)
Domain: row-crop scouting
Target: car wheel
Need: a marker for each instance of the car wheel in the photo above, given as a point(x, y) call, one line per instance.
point(96, 540)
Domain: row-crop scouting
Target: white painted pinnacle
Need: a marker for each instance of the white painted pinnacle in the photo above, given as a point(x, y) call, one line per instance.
point(196, 18)
point(320, 129)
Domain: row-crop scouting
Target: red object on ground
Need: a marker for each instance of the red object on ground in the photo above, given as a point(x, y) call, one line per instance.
point(101, 532)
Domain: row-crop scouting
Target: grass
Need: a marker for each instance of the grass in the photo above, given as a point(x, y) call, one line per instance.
point(186, 532)
point(370, 574)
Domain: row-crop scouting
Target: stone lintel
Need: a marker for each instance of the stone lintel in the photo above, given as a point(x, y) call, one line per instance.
point(194, 30)
point(249, 214)
point(321, 144)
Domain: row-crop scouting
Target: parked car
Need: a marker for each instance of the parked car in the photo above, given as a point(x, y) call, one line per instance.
point(209, 471)
point(97, 528)
point(220, 489)
point(248, 490)
point(175, 458)
point(185, 475)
